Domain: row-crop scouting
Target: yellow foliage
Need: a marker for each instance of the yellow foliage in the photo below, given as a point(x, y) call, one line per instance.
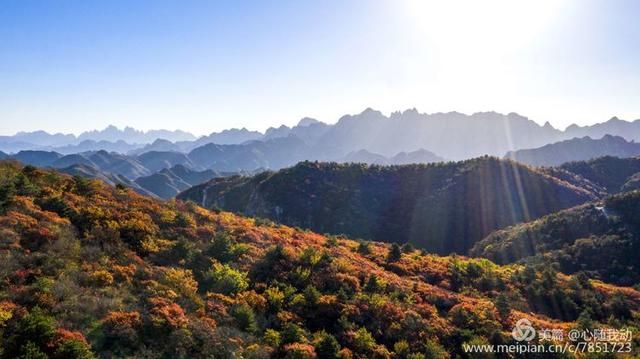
point(101, 278)
point(253, 299)
point(6, 311)
point(181, 280)
point(155, 245)
point(167, 216)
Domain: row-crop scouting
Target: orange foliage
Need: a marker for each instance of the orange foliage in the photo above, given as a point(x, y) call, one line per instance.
point(124, 273)
point(63, 335)
point(117, 229)
point(299, 351)
point(6, 311)
point(345, 353)
point(253, 299)
point(164, 312)
point(123, 319)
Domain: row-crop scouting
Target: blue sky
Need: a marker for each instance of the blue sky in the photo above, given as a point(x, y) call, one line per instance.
point(203, 66)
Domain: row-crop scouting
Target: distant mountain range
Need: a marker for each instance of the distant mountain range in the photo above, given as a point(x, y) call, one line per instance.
point(233, 136)
point(443, 207)
point(451, 135)
point(276, 153)
point(165, 184)
point(131, 135)
point(576, 149)
point(110, 138)
point(615, 126)
point(110, 178)
point(168, 182)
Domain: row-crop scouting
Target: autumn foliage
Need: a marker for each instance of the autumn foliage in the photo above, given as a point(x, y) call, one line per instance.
point(88, 270)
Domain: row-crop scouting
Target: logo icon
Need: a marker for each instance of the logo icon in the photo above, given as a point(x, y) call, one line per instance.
point(523, 331)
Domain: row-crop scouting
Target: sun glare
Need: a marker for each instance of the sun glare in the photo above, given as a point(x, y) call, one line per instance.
point(478, 52)
point(465, 27)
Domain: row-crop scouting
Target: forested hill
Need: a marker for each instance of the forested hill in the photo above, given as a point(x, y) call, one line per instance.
point(612, 173)
point(443, 207)
point(90, 270)
point(600, 238)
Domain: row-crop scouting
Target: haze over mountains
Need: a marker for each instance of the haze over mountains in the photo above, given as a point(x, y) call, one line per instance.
point(161, 174)
point(576, 149)
point(451, 135)
point(91, 140)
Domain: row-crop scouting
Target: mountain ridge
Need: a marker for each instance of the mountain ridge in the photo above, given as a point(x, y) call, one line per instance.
point(442, 207)
point(576, 149)
point(600, 237)
point(482, 133)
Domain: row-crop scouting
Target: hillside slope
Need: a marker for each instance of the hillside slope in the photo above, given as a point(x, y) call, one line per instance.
point(167, 183)
point(602, 238)
point(442, 208)
point(109, 178)
point(37, 158)
point(91, 270)
point(250, 156)
point(611, 173)
point(156, 161)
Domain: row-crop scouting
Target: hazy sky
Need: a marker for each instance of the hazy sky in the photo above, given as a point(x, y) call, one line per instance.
point(203, 66)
